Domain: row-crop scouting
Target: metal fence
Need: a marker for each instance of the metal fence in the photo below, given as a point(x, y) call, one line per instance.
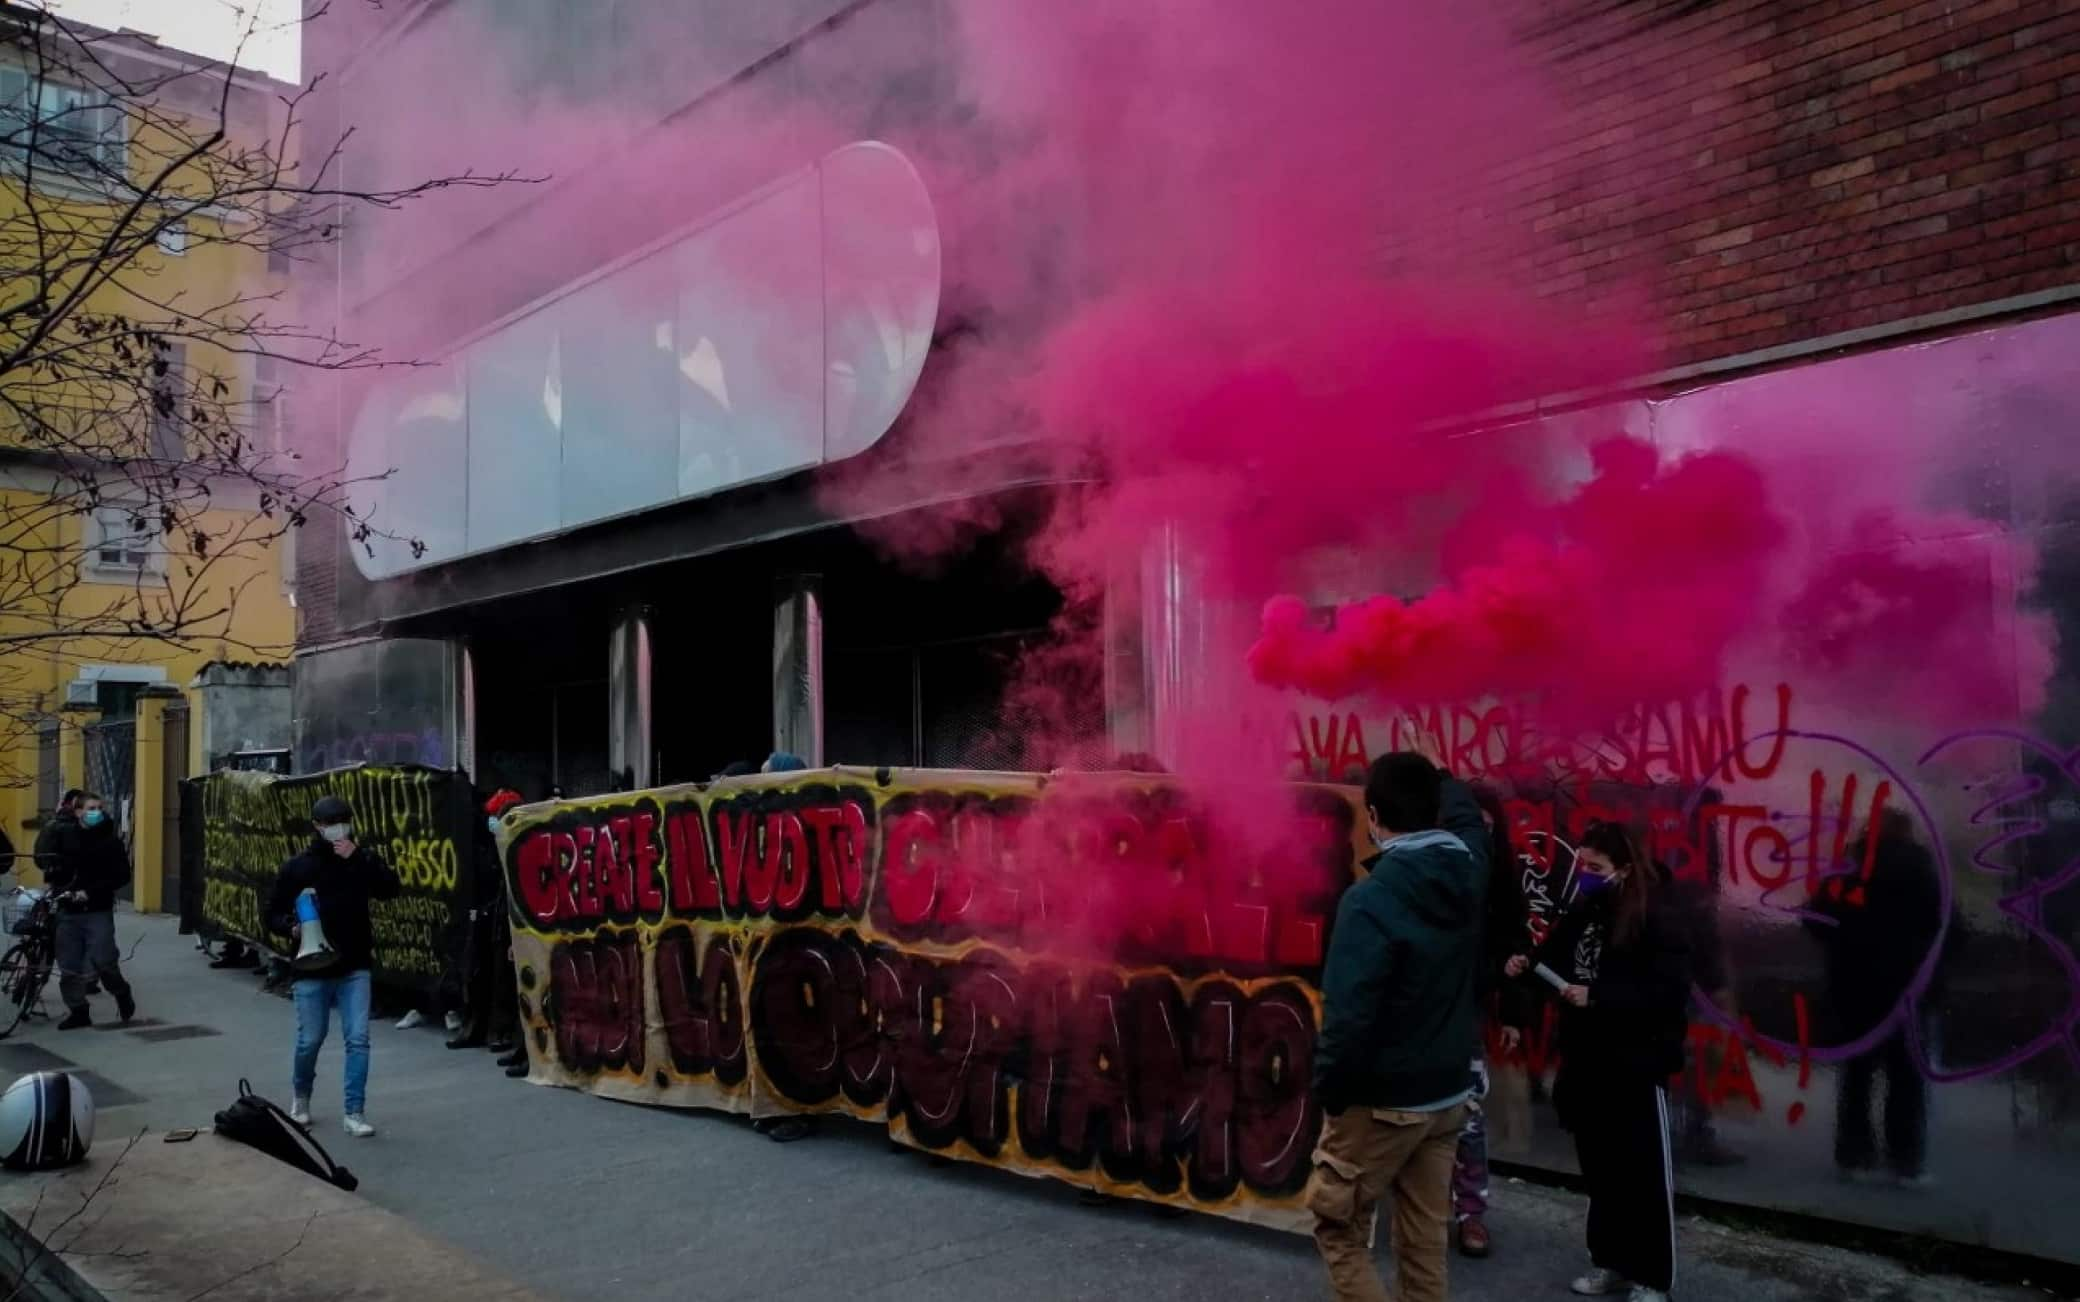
point(112, 767)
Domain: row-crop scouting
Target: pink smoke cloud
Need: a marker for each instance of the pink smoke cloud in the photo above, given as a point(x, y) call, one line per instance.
point(1631, 589)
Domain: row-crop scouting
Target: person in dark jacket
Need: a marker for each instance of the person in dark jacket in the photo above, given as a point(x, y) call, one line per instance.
point(1622, 958)
point(45, 851)
point(483, 944)
point(342, 878)
point(508, 1036)
point(1876, 934)
point(1399, 1028)
point(89, 865)
point(1504, 935)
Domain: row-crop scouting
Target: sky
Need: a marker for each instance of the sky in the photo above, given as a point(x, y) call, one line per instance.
point(208, 27)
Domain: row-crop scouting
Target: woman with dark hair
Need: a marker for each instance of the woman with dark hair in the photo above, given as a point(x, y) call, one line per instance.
point(1620, 962)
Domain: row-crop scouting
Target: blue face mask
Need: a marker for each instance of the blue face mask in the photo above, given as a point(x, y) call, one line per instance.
point(1588, 885)
point(493, 820)
point(91, 818)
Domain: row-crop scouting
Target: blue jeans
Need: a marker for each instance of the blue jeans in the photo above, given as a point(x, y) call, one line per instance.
point(316, 997)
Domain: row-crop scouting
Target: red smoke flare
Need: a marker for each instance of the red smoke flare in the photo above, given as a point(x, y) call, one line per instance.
point(1632, 589)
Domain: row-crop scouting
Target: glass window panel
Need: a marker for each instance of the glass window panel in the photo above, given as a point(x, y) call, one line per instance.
point(620, 420)
point(881, 292)
point(748, 343)
point(515, 433)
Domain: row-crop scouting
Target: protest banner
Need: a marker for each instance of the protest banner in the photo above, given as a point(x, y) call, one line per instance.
point(246, 825)
point(1104, 979)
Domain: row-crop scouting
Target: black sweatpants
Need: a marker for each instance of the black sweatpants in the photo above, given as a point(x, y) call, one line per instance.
point(1621, 1137)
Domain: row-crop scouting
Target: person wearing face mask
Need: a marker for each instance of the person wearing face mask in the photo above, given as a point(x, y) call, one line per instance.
point(1400, 1024)
point(343, 877)
point(1621, 960)
point(89, 866)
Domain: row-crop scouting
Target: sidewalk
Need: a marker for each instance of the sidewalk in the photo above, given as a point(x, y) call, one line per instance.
point(579, 1197)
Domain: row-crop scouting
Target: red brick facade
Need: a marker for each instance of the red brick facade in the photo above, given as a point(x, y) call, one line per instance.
point(1774, 172)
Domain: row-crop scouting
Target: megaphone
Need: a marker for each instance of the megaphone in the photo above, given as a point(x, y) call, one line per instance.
point(314, 952)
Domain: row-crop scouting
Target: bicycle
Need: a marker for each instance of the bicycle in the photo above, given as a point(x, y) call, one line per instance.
point(26, 968)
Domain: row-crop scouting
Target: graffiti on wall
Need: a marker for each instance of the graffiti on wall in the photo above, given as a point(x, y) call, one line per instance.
point(418, 819)
point(1816, 945)
point(1112, 980)
point(1099, 979)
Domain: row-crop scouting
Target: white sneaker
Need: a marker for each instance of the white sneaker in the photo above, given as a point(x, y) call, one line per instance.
point(410, 1020)
point(453, 1021)
point(300, 1110)
point(1641, 1293)
point(1601, 1283)
point(357, 1126)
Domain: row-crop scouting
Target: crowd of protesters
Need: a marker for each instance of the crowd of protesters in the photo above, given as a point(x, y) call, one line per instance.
point(1430, 963)
point(1428, 946)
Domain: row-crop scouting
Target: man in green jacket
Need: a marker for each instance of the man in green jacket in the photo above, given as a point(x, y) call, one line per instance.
point(1399, 1030)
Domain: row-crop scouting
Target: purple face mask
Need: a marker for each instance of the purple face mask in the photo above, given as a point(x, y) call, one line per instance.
point(1588, 885)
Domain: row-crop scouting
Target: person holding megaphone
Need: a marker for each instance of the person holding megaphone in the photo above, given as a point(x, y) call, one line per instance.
point(321, 898)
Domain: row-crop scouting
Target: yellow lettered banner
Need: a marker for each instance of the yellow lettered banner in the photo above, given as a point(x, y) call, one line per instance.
point(418, 819)
point(1105, 979)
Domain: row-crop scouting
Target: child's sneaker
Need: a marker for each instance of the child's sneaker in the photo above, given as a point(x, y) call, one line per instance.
point(357, 1126)
point(1601, 1283)
point(1641, 1293)
point(300, 1110)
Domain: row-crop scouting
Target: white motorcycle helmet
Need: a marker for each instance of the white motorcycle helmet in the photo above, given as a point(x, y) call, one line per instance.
point(46, 1121)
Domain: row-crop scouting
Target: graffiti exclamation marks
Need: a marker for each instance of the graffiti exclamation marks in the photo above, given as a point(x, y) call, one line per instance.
point(1837, 856)
point(1817, 790)
point(1797, 1111)
point(1870, 841)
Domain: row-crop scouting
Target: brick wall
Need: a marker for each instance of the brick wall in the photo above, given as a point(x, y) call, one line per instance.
point(1773, 171)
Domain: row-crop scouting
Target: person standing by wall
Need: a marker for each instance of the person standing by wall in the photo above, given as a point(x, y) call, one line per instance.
point(1623, 960)
point(90, 866)
point(1399, 1028)
point(343, 877)
point(1875, 944)
point(475, 985)
point(1504, 935)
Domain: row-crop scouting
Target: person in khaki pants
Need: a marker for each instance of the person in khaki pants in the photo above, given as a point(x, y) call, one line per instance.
point(1399, 1030)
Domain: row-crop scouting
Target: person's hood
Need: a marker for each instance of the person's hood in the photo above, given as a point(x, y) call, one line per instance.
point(1432, 874)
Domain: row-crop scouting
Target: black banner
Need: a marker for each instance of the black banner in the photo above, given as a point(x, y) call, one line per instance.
point(246, 825)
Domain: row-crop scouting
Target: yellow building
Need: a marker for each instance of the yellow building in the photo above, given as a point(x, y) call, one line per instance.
point(109, 606)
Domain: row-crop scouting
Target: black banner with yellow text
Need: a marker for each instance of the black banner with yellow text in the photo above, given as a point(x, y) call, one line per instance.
point(420, 820)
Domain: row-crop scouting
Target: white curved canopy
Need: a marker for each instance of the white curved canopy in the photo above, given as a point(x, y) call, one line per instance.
point(785, 332)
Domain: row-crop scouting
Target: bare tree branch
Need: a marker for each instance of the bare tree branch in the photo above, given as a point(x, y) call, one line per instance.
point(148, 469)
point(258, 1266)
point(43, 1242)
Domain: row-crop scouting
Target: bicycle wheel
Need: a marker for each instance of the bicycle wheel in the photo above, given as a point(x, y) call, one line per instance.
point(24, 971)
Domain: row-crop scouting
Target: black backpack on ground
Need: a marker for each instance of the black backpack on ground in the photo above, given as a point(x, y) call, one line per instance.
point(257, 1123)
